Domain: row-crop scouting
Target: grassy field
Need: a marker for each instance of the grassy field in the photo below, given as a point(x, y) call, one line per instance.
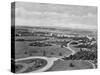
point(70, 65)
point(22, 49)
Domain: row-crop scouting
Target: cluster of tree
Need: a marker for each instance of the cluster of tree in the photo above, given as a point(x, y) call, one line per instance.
point(22, 39)
point(40, 44)
point(25, 33)
point(18, 67)
point(74, 43)
point(62, 37)
point(28, 33)
point(88, 46)
point(83, 55)
point(80, 38)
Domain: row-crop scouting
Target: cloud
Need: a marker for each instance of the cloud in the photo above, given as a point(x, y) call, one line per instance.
point(21, 12)
point(69, 18)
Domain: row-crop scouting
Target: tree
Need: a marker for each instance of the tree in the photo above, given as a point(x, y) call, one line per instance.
point(25, 52)
point(30, 54)
point(71, 65)
point(60, 54)
point(52, 53)
point(44, 53)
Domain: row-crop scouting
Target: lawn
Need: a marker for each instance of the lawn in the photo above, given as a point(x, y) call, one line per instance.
point(70, 65)
point(22, 49)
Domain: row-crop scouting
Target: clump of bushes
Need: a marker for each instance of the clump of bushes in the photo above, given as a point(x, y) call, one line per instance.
point(83, 55)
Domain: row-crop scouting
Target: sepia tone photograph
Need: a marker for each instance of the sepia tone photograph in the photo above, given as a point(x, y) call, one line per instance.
point(53, 37)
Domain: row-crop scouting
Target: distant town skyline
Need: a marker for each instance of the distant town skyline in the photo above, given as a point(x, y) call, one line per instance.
point(55, 15)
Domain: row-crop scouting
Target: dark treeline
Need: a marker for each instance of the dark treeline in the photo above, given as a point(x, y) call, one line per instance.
point(83, 55)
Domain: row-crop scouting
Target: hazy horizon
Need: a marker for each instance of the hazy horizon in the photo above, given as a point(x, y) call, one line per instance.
point(55, 15)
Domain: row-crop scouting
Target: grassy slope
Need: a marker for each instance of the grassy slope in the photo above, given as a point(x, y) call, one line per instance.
point(51, 51)
point(65, 65)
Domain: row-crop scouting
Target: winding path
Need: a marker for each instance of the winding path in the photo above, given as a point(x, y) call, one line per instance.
point(25, 66)
point(68, 47)
point(91, 64)
point(50, 62)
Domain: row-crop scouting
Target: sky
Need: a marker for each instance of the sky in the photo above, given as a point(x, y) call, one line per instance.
point(55, 15)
